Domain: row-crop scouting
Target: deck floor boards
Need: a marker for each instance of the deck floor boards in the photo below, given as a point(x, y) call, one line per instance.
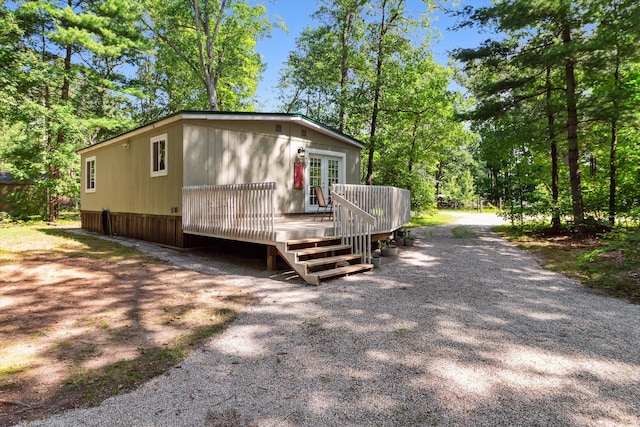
point(293, 227)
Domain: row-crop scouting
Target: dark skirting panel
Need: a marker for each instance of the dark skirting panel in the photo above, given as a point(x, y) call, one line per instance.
point(162, 229)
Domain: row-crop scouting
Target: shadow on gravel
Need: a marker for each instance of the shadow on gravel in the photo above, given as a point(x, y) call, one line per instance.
point(459, 332)
point(467, 331)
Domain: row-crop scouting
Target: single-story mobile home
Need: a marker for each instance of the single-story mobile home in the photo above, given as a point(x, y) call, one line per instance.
point(239, 176)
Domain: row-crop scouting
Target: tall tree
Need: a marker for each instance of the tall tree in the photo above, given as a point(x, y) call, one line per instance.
point(215, 41)
point(58, 40)
point(419, 125)
point(367, 70)
point(539, 37)
point(383, 44)
point(617, 45)
point(321, 71)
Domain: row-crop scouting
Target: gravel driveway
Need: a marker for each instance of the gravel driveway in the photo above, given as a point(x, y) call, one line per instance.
point(454, 331)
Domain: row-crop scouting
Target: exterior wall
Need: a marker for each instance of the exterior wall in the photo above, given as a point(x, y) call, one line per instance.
point(240, 152)
point(140, 206)
point(123, 176)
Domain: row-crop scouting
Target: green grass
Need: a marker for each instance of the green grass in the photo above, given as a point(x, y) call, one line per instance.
point(463, 232)
point(84, 386)
point(610, 262)
point(64, 218)
point(97, 384)
point(429, 219)
point(21, 239)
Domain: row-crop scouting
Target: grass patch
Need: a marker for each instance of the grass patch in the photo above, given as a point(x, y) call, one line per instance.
point(11, 367)
point(131, 317)
point(95, 385)
point(428, 220)
point(610, 262)
point(463, 232)
point(19, 240)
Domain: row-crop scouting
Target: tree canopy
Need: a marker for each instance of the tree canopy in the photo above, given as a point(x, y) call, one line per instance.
point(548, 91)
point(545, 123)
point(368, 70)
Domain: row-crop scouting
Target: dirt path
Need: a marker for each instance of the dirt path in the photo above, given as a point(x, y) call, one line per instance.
point(80, 321)
point(455, 331)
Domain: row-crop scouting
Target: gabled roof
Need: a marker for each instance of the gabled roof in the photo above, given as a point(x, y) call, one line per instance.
point(298, 118)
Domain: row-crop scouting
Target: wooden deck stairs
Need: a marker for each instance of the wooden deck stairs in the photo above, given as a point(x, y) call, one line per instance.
point(321, 258)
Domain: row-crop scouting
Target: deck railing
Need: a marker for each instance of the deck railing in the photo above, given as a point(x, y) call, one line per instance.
point(390, 206)
point(353, 225)
point(237, 210)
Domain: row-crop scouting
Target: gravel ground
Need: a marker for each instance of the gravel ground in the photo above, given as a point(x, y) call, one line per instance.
point(454, 331)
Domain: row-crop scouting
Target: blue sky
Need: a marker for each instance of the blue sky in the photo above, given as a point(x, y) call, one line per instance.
point(296, 15)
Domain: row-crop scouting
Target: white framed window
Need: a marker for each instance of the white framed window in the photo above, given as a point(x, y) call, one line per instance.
point(90, 174)
point(159, 165)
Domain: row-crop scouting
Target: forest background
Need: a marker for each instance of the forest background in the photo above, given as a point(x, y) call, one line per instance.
point(542, 119)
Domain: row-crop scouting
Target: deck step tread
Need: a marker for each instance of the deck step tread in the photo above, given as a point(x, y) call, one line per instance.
point(319, 261)
point(312, 240)
point(319, 249)
point(342, 271)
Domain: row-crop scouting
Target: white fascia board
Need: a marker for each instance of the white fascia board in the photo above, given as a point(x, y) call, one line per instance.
point(131, 134)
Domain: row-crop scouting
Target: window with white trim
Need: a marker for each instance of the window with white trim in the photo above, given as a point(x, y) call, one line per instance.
point(90, 174)
point(159, 155)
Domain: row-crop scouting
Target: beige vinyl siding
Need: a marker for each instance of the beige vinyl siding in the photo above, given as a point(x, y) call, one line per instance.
point(323, 142)
point(123, 178)
point(238, 152)
point(214, 153)
point(218, 156)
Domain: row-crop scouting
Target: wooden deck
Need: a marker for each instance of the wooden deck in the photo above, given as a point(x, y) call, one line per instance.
point(245, 212)
point(314, 248)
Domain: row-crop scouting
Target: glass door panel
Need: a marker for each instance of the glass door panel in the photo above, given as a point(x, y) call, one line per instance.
point(324, 170)
point(315, 178)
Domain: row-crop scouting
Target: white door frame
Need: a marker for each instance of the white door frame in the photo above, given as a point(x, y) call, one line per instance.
point(324, 155)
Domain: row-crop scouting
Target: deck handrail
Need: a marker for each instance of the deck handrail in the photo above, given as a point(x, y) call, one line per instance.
point(390, 206)
point(353, 225)
point(230, 211)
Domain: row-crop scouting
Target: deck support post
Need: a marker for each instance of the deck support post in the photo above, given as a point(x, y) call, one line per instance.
point(272, 256)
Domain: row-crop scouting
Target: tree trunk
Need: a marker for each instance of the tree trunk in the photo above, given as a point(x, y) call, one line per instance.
point(208, 65)
point(344, 69)
point(53, 172)
point(414, 137)
point(553, 145)
point(613, 147)
point(374, 113)
point(572, 136)
point(384, 27)
point(438, 179)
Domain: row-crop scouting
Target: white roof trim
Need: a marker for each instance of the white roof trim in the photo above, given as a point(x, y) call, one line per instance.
point(131, 134)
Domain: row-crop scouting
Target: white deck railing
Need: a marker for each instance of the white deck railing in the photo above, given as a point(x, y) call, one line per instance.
point(390, 206)
point(353, 225)
point(230, 211)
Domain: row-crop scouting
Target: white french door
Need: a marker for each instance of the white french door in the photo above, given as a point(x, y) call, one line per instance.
point(323, 168)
